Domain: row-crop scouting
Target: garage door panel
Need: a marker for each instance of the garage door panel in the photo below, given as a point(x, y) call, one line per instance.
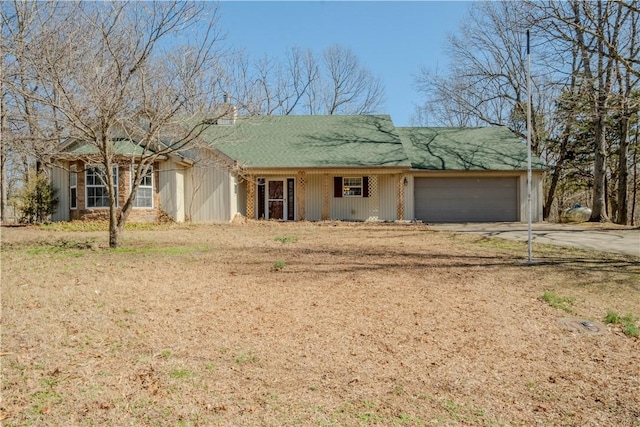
point(466, 199)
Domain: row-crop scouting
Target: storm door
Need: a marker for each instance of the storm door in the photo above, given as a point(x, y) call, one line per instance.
point(276, 200)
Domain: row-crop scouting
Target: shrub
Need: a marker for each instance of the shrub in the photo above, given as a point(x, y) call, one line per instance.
point(37, 201)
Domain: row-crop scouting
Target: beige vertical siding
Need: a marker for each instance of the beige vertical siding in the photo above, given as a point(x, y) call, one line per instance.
point(388, 196)
point(60, 181)
point(538, 191)
point(209, 194)
point(234, 191)
point(522, 198)
point(348, 208)
point(378, 207)
point(536, 197)
point(242, 197)
point(314, 197)
point(171, 189)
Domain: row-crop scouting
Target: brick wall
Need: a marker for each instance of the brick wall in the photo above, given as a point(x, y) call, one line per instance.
point(124, 176)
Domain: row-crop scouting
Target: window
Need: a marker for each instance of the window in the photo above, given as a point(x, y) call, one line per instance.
point(73, 187)
point(96, 184)
point(352, 186)
point(144, 194)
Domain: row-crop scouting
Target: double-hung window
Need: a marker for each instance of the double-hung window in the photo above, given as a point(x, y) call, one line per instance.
point(73, 187)
point(96, 187)
point(352, 186)
point(144, 194)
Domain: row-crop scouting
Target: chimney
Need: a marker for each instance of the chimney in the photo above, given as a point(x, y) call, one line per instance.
point(229, 111)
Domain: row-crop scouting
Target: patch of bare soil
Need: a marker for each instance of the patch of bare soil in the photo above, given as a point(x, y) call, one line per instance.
point(267, 324)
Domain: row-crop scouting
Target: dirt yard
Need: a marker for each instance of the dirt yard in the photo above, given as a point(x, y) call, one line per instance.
point(312, 324)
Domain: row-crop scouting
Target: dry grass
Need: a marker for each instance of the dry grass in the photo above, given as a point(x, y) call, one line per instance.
point(359, 325)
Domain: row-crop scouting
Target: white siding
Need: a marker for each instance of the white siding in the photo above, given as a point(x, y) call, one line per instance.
point(60, 181)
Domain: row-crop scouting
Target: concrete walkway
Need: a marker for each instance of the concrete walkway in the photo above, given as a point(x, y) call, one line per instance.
point(605, 238)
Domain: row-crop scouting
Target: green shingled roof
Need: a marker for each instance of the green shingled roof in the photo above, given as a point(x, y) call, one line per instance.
point(122, 147)
point(489, 148)
point(353, 141)
point(310, 141)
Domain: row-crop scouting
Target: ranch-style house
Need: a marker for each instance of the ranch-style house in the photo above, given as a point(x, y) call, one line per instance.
point(293, 168)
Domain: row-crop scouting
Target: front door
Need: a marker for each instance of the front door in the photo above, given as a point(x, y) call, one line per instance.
point(276, 200)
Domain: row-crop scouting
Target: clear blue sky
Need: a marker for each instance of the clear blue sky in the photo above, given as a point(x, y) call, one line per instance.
point(393, 39)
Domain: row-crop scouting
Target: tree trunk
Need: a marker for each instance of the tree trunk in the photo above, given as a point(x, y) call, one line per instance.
point(120, 221)
point(114, 230)
point(114, 235)
point(623, 173)
point(110, 181)
point(557, 171)
point(598, 210)
point(635, 182)
point(3, 187)
point(3, 162)
point(551, 194)
point(605, 73)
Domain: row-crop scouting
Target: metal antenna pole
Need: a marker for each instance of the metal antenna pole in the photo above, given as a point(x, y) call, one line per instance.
point(529, 204)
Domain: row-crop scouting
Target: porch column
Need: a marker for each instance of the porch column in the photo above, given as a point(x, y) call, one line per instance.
point(325, 197)
point(251, 197)
point(374, 202)
point(301, 195)
point(400, 205)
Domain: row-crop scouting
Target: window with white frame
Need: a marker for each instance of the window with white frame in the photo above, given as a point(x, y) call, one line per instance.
point(73, 187)
point(352, 186)
point(96, 187)
point(144, 194)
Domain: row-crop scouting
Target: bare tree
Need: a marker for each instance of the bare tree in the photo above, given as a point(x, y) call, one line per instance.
point(25, 139)
point(4, 186)
point(301, 84)
point(604, 34)
point(582, 55)
point(350, 88)
point(627, 79)
point(112, 74)
point(304, 71)
point(486, 80)
point(268, 86)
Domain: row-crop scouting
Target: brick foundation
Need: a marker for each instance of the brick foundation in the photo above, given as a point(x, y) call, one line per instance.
point(136, 215)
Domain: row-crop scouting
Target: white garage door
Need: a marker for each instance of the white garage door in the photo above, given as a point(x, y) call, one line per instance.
point(466, 199)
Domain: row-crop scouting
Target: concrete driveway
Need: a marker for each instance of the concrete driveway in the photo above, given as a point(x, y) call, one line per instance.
point(605, 238)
